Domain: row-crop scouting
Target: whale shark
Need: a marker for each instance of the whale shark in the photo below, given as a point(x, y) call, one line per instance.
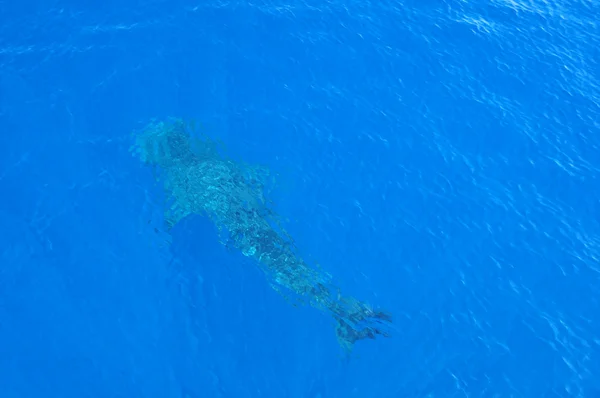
point(199, 179)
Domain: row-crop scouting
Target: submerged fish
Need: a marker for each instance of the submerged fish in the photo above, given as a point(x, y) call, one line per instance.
point(199, 179)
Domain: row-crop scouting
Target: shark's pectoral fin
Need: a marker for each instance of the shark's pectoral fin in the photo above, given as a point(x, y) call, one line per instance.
point(174, 214)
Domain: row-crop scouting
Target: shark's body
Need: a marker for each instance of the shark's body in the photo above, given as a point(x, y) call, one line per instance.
point(198, 180)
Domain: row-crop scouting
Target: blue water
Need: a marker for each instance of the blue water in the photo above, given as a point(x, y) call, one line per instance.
point(440, 160)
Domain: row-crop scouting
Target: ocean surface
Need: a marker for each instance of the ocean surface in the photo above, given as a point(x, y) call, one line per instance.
point(441, 160)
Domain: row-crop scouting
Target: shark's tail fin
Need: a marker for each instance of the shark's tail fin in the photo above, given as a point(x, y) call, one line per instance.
point(363, 324)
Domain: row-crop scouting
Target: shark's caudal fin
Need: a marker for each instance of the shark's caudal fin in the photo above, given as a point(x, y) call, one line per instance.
point(364, 325)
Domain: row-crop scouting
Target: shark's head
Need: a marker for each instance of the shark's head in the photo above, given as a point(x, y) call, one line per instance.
point(162, 144)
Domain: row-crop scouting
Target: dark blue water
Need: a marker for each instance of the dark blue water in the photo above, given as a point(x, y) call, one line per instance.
point(440, 160)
